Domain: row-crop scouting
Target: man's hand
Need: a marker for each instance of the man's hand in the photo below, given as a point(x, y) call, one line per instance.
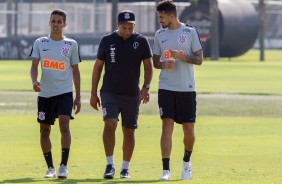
point(144, 95)
point(36, 86)
point(76, 105)
point(95, 101)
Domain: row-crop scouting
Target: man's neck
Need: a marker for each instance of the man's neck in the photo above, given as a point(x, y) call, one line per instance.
point(56, 37)
point(175, 25)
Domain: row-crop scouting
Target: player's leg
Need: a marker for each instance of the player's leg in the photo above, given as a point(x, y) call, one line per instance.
point(65, 144)
point(46, 119)
point(167, 113)
point(186, 115)
point(188, 140)
point(110, 116)
point(46, 147)
point(166, 146)
point(64, 110)
point(127, 148)
point(109, 140)
point(129, 114)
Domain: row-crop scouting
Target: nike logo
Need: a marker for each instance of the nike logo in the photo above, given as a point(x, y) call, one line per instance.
point(164, 41)
point(112, 45)
point(46, 49)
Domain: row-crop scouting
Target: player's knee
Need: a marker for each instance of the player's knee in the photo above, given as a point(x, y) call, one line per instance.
point(45, 131)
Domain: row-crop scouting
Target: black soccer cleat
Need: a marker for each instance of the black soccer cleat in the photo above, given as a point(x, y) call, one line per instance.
point(124, 174)
point(109, 172)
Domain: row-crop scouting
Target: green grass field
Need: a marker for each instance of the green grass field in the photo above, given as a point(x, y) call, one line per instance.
point(238, 128)
point(241, 75)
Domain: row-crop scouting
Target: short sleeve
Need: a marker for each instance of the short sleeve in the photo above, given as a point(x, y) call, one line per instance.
point(75, 58)
point(147, 49)
point(156, 46)
point(101, 54)
point(35, 49)
point(196, 43)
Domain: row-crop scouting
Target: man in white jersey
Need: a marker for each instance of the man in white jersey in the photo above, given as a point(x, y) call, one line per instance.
point(58, 57)
point(176, 50)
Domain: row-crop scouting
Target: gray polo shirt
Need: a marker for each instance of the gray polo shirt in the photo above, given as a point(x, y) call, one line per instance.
point(184, 39)
point(56, 60)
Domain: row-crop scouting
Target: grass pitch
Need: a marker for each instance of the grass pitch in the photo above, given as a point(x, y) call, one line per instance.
point(228, 150)
point(238, 141)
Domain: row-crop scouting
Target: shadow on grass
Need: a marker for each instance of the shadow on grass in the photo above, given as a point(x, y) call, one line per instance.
point(75, 181)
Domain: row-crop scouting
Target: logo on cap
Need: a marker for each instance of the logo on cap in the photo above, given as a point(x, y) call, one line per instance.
point(126, 16)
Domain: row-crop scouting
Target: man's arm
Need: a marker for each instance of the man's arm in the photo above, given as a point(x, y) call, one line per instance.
point(34, 74)
point(96, 75)
point(76, 82)
point(148, 75)
point(196, 58)
point(148, 71)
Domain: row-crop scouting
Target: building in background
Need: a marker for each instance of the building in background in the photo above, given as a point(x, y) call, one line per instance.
point(23, 20)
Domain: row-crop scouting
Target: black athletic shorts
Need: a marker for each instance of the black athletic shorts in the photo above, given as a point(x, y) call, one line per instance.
point(127, 106)
point(50, 108)
point(179, 106)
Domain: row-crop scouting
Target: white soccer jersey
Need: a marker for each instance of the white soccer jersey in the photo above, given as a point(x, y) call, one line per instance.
point(56, 59)
point(186, 40)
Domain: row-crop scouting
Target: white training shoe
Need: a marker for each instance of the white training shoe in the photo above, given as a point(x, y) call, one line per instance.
point(186, 171)
point(166, 175)
point(50, 173)
point(63, 172)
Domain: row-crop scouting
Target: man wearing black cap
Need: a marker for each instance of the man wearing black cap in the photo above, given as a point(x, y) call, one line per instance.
point(122, 52)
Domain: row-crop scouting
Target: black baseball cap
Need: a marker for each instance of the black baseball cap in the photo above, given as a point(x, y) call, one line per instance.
point(126, 16)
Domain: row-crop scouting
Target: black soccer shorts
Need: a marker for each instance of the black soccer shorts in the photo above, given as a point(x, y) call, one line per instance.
point(179, 106)
point(50, 108)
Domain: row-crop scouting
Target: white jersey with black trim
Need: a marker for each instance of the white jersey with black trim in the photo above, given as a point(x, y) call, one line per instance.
point(56, 60)
point(185, 39)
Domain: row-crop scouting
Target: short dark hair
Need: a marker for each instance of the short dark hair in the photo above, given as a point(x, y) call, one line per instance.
point(167, 7)
point(59, 12)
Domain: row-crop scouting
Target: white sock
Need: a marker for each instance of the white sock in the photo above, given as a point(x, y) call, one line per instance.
point(125, 165)
point(110, 160)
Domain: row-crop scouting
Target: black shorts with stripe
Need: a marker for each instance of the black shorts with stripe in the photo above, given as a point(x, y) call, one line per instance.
point(179, 106)
point(50, 108)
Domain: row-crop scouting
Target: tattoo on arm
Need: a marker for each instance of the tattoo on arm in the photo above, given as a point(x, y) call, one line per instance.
point(196, 58)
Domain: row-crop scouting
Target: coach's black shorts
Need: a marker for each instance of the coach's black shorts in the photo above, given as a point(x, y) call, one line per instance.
point(50, 108)
point(127, 106)
point(179, 106)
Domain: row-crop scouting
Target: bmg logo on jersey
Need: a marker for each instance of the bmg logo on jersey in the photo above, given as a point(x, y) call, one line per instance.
point(113, 54)
point(54, 65)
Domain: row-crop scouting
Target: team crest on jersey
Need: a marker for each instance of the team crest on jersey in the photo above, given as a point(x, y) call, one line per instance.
point(65, 51)
point(182, 39)
point(41, 116)
point(135, 45)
